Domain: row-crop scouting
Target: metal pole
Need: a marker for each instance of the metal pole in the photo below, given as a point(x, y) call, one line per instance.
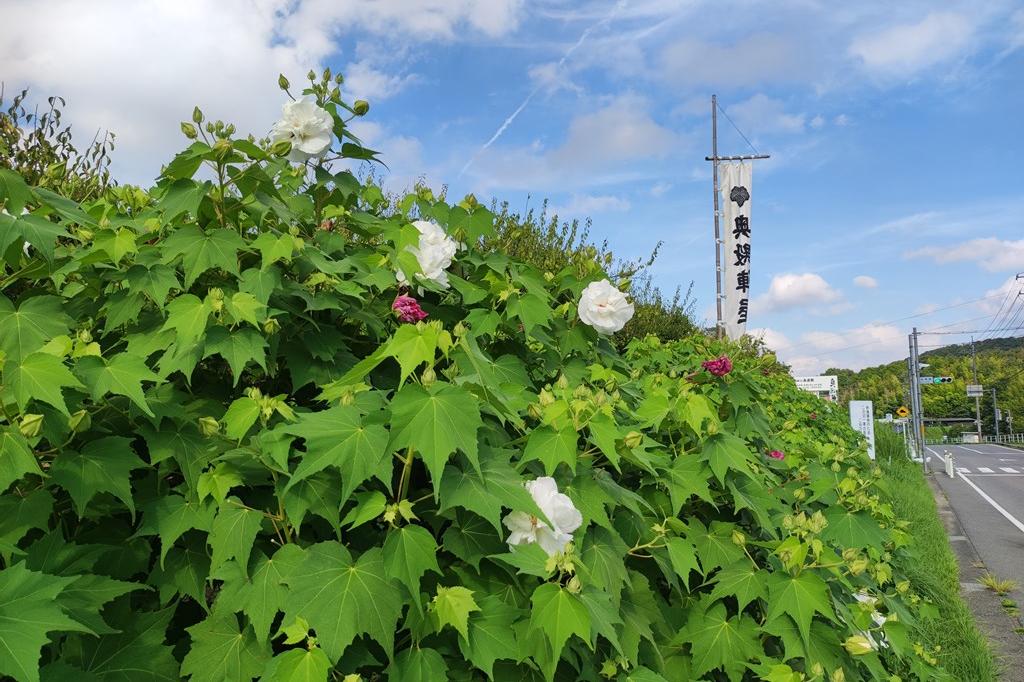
point(718, 234)
point(915, 398)
point(977, 398)
point(995, 411)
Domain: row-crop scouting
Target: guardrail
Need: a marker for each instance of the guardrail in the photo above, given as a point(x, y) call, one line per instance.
point(1007, 439)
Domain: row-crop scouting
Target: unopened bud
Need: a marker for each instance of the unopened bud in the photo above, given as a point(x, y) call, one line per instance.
point(428, 377)
point(311, 75)
point(222, 148)
point(216, 294)
point(230, 130)
point(800, 494)
point(858, 566)
point(282, 82)
point(471, 200)
point(836, 467)
point(84, 336)
point(545, 398)
point(85, 234)
point(817, 670)
point(534, 410)
point(739, 539)
point(197, 116)
point(347, 398)
point(189, 130)
point(271, 326)
point(563, 382)
point(633, 439)
point(80, 421)
point(208, 426)
point(352, 678)
point(838, 675)
point(857, 645)
point(281, 148)
point(574, 585)
point(30, 425)
point(360, 107)
point(460, 330)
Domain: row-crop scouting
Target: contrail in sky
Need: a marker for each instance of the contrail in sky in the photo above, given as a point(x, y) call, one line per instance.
point(561, 62)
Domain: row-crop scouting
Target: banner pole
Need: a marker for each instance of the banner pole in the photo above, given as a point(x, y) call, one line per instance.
point(718, 234)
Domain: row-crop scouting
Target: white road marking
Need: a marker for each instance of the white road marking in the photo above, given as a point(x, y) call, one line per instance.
point(1005, 447)
point(985, 470)
point(977, 452)
point(1009, 470)
point(995, 505)
point(963, 470)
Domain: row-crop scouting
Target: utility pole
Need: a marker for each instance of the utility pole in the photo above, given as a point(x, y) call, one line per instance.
point(995, 411)
point(916, 406)
point(977, 398)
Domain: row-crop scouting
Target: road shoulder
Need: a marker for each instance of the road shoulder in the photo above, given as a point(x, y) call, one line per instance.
point(985, 605)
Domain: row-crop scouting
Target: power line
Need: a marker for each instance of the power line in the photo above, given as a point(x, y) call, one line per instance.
point(972, 331)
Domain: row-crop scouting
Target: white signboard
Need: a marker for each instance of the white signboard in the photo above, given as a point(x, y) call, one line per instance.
point(975, 390)
point(736, 189)
point(862, 418)
point(824, 386)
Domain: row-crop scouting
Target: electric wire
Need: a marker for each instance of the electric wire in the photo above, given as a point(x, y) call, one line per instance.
point(737, 129)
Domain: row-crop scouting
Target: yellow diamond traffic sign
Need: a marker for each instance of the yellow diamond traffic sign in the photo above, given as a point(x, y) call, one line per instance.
point(902, 412)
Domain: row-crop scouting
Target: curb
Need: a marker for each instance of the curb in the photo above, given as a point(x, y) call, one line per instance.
point(997, 625)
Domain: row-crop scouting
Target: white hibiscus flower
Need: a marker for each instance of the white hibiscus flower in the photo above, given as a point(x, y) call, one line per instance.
point(604, 307)
point(526, 528)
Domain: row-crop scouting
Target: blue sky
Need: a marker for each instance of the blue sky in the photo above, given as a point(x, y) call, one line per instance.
point(895, 129)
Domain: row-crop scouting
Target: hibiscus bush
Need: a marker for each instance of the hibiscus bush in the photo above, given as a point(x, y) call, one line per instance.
point(255, 426)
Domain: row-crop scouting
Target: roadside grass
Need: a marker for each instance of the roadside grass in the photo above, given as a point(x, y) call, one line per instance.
point(933, 570)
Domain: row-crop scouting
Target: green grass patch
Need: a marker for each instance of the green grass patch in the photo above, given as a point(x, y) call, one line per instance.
point(933, 569)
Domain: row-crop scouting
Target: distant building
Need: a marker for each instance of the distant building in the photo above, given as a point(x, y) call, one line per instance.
point(826, 387)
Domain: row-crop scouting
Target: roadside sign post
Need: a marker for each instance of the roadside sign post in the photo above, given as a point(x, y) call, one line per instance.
point(975, 390)
point(862, 418)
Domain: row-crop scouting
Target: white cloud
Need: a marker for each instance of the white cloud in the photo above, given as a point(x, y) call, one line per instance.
point(364, 81)
point(772, 338)
point(989, 253)
point(588, 205)
point(794, 290)
point(753, 61)
point(137, 69)
point(601, 147)
point(552, 77)
point(763, 114)
point(659, 188)
point(856, 348)
point(817, 122)
point(906, 49)
point(865, 281)
point(842, 120)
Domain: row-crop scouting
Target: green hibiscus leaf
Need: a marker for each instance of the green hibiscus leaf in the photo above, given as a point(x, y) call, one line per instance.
point(452, 606)
point(233, 532)
point(409, 552)
point(298, 665)
point(435, 422)
point(491, 635)
point(725, 452)
point(552, 447)
point(718, 641)
point(238, 348)
point(265, 593)
point(155, 281)
point(39, 376)
point(338, 438)
point(223, 652)
point(799, 597)
point(121, 374)
point(241, 415)
point(743, 581)
point(35, 321)
point(200, 251)
point(688, 476)
point(559, 614)
point(342, 598)
point(273, 247)
point(102, 466)
point(28, 611)
point(418, 665)
point(136, 653)
point(172, 516)
point(683, 556)
point(41, 233)
point(116, 243)
point(16, 458)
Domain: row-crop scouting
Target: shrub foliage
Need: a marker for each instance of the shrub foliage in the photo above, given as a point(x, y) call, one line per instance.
point(224, 458)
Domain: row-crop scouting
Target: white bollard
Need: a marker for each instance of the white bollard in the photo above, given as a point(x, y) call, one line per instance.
point(949, 464)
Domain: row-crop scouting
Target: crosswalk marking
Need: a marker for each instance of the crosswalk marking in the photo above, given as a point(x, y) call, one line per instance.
point(963, 470)
point(1008, 470)
point(985, 470)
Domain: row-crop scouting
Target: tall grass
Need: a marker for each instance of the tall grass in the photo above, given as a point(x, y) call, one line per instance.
point(932, 568)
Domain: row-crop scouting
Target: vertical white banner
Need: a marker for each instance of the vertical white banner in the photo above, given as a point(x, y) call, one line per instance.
point(862, 418)
point(735, 185)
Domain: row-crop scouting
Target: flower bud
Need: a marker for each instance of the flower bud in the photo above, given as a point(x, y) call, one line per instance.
point(197, 116)
point(633, 439)
point(800, 494)
point(85, 234)
point(459, 330)
point(360, 107)
point(471, 200)
point(817, 670)
point(574, 585)
point(281, 148)
point(230, 130)
point(563, 382)
point(84, 336)
point(858, 566)
point(352, 678)
point(189, 130)
point(428, 377)
point(208, 426)
point(836, 467)
point(216, 294)
point(545, 398)
point(222, 148)
point(311, 75)
point(80, 421)
point(282, 82)
point(271, 326)
point(347, 398)
point(837, 676)
point(857, 645)
point(30, 425)
point(534, 411)
point(739, 539)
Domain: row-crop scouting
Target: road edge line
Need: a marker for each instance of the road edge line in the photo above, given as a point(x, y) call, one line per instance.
point(995, 505)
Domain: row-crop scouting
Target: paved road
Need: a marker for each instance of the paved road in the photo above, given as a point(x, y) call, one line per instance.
point(987, 495)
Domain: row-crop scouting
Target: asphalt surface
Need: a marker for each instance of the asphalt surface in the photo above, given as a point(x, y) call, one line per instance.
point(987, 495)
